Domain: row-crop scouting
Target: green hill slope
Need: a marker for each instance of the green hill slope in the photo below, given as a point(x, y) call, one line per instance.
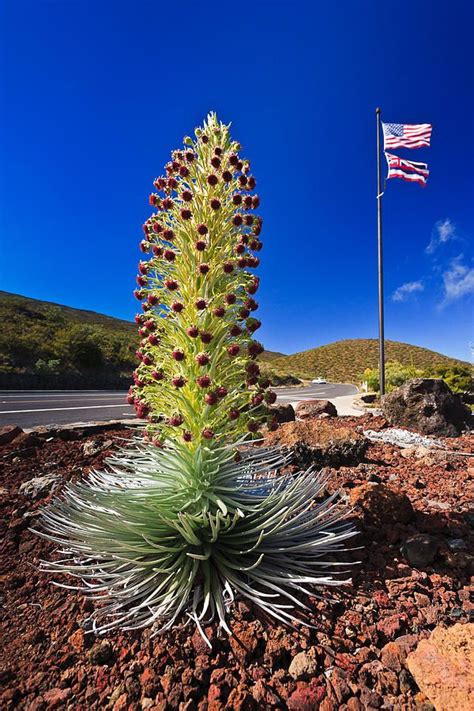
point(345, 361)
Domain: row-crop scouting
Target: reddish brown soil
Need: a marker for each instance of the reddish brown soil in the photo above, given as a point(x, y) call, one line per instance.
point(360, 639)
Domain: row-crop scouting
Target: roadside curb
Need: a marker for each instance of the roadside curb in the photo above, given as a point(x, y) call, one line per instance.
point(77, 430)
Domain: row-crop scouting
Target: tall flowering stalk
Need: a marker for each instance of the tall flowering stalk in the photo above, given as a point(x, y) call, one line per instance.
point(198, 378)
point(181, 522)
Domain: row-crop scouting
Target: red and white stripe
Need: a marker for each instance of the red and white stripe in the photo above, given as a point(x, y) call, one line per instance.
point(414, 136)
point(407, 170)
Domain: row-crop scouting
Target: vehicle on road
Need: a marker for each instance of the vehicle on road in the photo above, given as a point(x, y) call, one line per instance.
point(319, 381)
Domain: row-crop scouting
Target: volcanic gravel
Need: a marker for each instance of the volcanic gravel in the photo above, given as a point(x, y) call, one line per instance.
point(352, 659)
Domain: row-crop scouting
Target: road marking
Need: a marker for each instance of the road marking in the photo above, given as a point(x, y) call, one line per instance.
point(59, 409)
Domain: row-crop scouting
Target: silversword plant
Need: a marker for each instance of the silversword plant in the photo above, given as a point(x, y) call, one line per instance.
point(186, 518)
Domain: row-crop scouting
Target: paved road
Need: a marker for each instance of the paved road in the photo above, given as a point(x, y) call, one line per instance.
point(59, 407)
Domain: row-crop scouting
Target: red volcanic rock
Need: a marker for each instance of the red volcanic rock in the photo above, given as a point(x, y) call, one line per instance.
point(443, 667)
point(307, 409)
point(381, 504)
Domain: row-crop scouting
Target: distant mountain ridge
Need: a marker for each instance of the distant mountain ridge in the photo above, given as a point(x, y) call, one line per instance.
point(345, 361)
point(43, 343)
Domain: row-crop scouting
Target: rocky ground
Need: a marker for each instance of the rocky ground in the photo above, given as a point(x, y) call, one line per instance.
point(416, 538)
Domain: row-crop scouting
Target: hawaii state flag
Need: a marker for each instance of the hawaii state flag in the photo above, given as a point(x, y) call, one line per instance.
point(407, 169)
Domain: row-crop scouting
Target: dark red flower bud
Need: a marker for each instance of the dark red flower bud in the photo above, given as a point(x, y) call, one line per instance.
point(233, 350)
point(167, 203)
point(215, 204)
point(207, 434)
point(251, 304)
point(206, 337)
point(152, 299)
point(273, 425)
point(157, 228)
point(171, 284)
point(139, 318)
point(159, 183)
point(218, 151)
point(253, 286)
point(153, 339)
point(142, 280)
point(202, 229)
point(142, 410)
point(183, 171)
point(254, 348)
point(157, 251)
point(175, 165)
point(179, 381)
point(203, 268)
point(178, 354)
point(176, 420)
point(253, 262)
point(235, 330)
point(233, 414)
point(228, 267)
point(130, 399)
point(150, 324)
point(186, 196)
point(157, 375)
point(200, 304)
point(144, 246)
point(172, 183)
point(177, 307)
point(154, 199)
point(202, 359)
point(242, 262)
point(193, 332)
point(248, 202)
point(227, 176)
point(187, 436)
point(252, 368)
point(237, 220)
point(243, 180)
point(204, 138)
point(169, 255)
point(138, 294)
point(234, 159)
point(147, 360)
point(212, 179)
point(230, 298)
point(200, 245)
point(168, 235)
point(251, 182)
point(264, 383)
point(203, 381)
point(252, 425)
point(143, 267)
point(240, 249)
point(186, 214)
point(237, 199)
point(270, 397)
point(221, 392)
point(215, 162)
point(253, 324)
point(257, 400)
point(210, 398)
point(248, 219)
point(189, 155)
point(219, 311)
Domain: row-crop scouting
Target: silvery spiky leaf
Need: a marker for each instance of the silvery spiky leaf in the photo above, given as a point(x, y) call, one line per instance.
point(165, 535)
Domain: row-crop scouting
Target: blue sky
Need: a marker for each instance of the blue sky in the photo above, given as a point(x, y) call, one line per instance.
point(96, 94)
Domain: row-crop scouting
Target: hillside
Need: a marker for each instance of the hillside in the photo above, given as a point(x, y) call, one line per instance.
point(43, 344)
point(345, 361)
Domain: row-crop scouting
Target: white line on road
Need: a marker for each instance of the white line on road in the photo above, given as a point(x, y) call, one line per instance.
point(60, 409)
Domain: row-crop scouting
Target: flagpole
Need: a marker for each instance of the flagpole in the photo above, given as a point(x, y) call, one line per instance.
point(380, 264)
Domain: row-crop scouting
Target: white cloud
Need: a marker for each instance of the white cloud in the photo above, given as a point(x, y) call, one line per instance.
point(406, 290)
point(458, 280)
point(443, 231)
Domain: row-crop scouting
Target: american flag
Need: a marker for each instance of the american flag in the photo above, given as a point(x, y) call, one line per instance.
point(407, 169)
point(406, 135)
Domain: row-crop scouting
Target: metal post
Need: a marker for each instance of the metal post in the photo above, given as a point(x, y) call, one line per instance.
point(380, 264)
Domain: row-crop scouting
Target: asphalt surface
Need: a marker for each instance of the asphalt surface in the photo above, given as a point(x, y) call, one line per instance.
point(59, 407)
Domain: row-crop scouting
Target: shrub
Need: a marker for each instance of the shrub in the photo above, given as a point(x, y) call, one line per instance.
point(189, 516)
point(458, 378)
